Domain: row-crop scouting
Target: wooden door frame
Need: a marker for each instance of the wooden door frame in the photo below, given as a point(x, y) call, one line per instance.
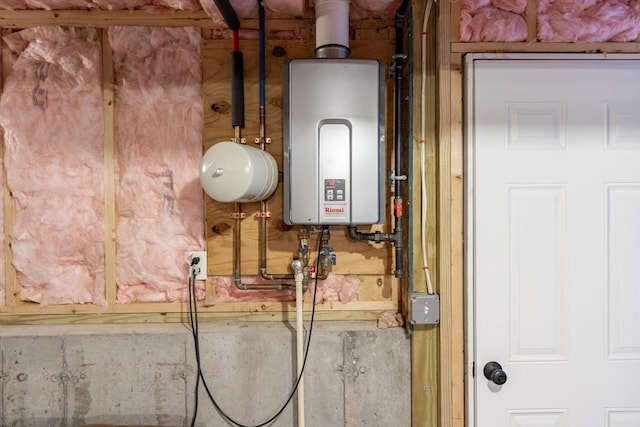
point(447, 345)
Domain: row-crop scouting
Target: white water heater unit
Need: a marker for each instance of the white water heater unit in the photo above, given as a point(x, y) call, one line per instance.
point(334, 168)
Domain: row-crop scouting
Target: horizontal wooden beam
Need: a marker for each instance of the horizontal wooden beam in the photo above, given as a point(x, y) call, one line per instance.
point(183, 316)
point(102, 18)
point(461, 47)
point(107, 18)
point(239, 308)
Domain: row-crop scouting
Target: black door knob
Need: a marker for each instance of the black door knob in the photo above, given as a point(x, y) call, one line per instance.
point(493, 372)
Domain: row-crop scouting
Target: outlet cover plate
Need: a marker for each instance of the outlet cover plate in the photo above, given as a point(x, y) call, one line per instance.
point(200, 266)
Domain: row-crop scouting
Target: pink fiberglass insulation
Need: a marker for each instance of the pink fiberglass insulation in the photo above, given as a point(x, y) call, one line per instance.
point(158, 142)
point(51, 112)
point(493, 21)
point(588, 20)
point(342, 288)
point(286, 7)
point(369, 9)
point(248, 8)
point(226, 290)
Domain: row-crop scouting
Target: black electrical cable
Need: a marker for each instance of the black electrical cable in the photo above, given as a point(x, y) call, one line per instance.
point(194, 332)
point(193, 318)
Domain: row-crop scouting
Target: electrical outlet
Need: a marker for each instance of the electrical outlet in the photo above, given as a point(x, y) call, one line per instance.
point(198, 261)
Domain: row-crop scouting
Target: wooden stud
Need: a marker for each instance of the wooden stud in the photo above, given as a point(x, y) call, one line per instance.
point(109, 170)
point(425, 387)
point(455, 347)
point(630, 47)
point(448, 95)
point(455, 14)
point(12, 288)
point(530, 15)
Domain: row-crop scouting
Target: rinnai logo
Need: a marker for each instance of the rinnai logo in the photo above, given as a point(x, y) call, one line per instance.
point(333, 211)
point(329, 209)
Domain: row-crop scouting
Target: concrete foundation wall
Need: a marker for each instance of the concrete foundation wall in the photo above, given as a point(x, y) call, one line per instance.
point(72, 375)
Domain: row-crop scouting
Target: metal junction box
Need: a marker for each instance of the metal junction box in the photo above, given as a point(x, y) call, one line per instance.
point(334, 171)
point(424, 309)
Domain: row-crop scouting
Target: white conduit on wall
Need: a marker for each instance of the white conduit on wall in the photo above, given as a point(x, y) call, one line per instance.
point(299, 276)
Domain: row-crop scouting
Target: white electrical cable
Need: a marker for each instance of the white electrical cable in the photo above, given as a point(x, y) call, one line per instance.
point(423, 136)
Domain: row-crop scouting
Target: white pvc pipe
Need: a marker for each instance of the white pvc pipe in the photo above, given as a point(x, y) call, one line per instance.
point(332, 24)
point(300, 343)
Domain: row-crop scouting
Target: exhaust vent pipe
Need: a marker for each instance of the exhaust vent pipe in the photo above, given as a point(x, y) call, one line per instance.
point(332, 28)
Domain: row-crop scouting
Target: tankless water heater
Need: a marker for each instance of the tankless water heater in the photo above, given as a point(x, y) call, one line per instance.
point(334, 142)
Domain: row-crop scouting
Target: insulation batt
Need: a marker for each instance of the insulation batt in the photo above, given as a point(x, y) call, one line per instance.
point(390, 320)
point(588, 20)
point(51, 112)
point(158, 143)
point(493, 21)
point(368, 9)
point(558, 20)
point(342, 288)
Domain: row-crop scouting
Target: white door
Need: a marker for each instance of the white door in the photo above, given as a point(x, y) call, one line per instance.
point(554, 239)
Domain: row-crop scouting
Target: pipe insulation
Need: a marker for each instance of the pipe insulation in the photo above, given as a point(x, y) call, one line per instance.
point(237, 89)
point(332, 28)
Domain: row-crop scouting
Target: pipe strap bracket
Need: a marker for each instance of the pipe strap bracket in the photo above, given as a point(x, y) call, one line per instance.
point(393, 177)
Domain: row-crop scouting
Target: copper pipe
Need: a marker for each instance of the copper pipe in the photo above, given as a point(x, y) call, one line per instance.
point(237, 250)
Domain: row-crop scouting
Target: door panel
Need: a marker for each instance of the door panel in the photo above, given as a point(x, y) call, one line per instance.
point(555, 240)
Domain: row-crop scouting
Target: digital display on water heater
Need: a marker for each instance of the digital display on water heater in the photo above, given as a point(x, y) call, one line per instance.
point(334, 190)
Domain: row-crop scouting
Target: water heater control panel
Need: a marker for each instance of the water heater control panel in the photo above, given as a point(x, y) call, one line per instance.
point(334, 142)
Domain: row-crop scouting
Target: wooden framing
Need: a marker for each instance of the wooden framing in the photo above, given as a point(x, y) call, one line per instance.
point(437, 352)
point(373, 263)
point(450, 51)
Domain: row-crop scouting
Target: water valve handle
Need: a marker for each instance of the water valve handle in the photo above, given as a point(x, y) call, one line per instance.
point(493, 372)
